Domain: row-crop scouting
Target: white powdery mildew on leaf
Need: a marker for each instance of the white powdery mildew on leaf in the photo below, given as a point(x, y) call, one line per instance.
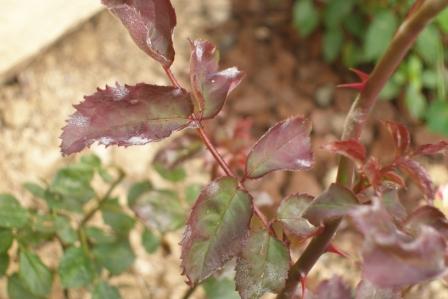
point(127, 115)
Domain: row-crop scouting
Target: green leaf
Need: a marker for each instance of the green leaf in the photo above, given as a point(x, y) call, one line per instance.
point(442, 20)
point(415, 101)
point(336, 11)
point(18, 290)
point(35, 190)
point(150, 241)
point(437, 117)
point(216, 229)
point(34, 274)
point(262, 266)
point(64, 230)
point(137, 190)
point(73, 184)
point(305, 17)
point(91, 160)
point(428, 44)
point(105, 291)
point(335, 202)
point(116, 257)
point(379, 34)
point(6, 239)
point(12, 214)
point(4, 263)
point(99, 236)
point(43, 224)
point(290, 214)
point(192, 192)
point(177, 174)
point(76, 269)
point(161, 210)
point(223, 288)
point(355, 24)
point(115, 217)
point(333, 39)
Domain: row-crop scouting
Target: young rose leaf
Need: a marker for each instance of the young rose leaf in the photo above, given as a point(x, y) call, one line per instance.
point(126, 115)
point(160, 210)
point(427, 216)
point(210, 86)
point(262, 266)
point(290, 214)
point(414, 259)
point(150, 24)
point(367, 290)
point(76, 269)
point(285, 146)
point(401, 136)
point(351, 149)
point(333, 288)
point(217, 226)
point(419, 175)
point(36, 277)
point(432, 149)
point(116, 257)
point(335, 202)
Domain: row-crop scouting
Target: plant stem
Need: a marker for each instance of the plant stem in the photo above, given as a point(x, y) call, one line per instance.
point(401, 43)
point(100, 203)
point(189, 292)
point(171, 76)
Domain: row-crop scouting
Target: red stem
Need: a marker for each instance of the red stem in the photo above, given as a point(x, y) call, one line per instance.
point(210, 146)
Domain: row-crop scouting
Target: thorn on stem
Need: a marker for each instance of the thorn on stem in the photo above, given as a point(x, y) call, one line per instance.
point(333, 249)
point(358, 85)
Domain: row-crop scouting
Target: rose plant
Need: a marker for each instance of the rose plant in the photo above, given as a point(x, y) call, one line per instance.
point(224, 223)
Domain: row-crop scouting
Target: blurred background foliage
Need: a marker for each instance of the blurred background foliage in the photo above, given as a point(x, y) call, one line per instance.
point(355, 33)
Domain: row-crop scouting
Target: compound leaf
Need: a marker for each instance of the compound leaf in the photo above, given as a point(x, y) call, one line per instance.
point(216, 228)
point(262, 266)
point(285, 146)
point(150, 24)
point(126, 115)
point(211, 86)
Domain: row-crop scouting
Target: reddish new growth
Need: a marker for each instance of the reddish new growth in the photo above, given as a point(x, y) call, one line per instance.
point(222, 225)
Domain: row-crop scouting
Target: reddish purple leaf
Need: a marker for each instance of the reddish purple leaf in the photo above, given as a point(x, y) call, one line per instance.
point(290, 214)
point(419, 175)
point(432, 149)
point(126, 115)
point(367, 290)
point(413, 258)
point(392, 180)
point(216, 229)
point(262, 266)
point(351, 149)
point(150, 24)
point(333, 288)
point(427, 216)
point(372, 170)
point(286, 146)
point(210, 86)
point(401, 136)
point(337, 201)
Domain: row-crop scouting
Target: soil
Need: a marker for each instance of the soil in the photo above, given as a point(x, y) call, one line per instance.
point(284, 77)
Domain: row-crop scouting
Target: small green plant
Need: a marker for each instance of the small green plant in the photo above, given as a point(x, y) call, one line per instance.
point(357, 33)
point(65, 212)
